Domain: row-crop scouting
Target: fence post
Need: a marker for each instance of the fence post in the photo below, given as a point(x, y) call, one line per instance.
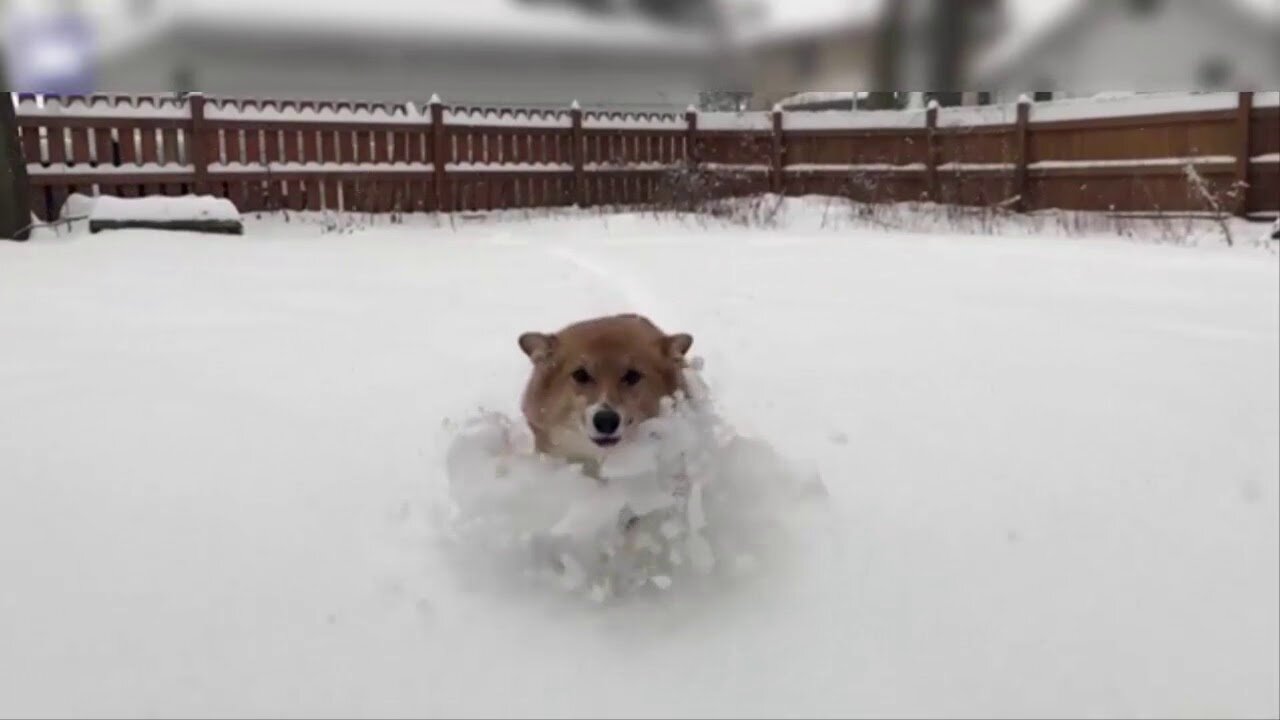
point(931, 150)
point(691, 136)
point(777, 158)
point(196, 144)
point(439, 150)
point(576, 153)
point(1244, 106)
point(15, 186)
point(1021, 148)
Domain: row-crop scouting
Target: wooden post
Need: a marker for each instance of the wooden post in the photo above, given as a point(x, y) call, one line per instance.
point(931, 150)
point(777, 158)
point(1020, 149)
point(691, 136)
point(1244, 107)
point(439, 155)
point(576, 151)
point(196, 144)
point(15, 186)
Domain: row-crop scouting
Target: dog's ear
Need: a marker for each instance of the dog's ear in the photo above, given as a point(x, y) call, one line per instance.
point(676, 346)
point(537, 346)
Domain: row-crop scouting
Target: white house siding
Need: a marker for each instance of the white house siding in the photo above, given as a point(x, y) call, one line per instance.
point(1113, 49)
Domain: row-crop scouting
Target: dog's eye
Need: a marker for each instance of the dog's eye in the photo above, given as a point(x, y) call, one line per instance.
point(632, 377)
point(581, 376)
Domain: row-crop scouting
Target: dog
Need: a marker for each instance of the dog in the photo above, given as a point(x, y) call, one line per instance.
point(594, 381)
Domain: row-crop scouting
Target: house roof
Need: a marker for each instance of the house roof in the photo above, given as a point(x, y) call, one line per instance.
point(515, 24)
point(786, 20)
point(821, 97)
point(1064, 18)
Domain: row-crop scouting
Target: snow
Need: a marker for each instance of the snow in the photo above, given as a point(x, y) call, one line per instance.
point(976, 166)
point(855, 167)
point(751, 120)
point(159, 208)
point(977, 115)
point(1132, 105)
point(397, 167)
point(507, 118)
point(1052, 468)
point(1267, 158)
point(1267, 99)
point(642, 166)
point(1027, 29)
point(1132, 162)
point(734, 167)
point(684, 467)
point(852, 120)
point(164, 108)
point(630, 121)
point(819, 96)
point(488, 23)
point(322, 167)
point(788, 20)
point(36, 169)
point(374, 116)
point(509, 167)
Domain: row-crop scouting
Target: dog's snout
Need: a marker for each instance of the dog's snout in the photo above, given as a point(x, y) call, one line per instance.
point(606, 421)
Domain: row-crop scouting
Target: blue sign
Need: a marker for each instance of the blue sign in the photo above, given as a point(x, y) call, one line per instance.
point(51, 54)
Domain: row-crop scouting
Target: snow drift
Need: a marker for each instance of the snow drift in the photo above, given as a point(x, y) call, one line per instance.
point(1052, 465)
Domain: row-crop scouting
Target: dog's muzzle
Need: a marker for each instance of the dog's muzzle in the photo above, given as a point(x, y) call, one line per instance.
point(606, 426)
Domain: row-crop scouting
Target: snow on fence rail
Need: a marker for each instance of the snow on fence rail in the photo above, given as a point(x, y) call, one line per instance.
point(1130, 153)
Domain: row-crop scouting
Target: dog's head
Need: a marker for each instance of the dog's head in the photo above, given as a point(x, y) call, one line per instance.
point(594, 380)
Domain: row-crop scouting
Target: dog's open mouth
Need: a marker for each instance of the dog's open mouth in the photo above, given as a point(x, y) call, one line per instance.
point(606, 441)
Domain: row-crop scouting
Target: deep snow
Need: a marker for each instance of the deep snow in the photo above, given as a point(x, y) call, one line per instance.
point(1052, 470)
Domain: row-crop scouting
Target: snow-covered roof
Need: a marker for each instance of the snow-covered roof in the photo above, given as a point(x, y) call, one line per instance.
point(1063, 16)
point(512, 24)
point(1028, 34)
point(815, 97)
point(787, 19)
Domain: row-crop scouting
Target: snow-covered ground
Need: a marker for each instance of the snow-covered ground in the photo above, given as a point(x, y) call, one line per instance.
point(1052, 467)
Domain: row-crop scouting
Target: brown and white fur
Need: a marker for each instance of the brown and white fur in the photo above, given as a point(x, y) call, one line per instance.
point(594, 381)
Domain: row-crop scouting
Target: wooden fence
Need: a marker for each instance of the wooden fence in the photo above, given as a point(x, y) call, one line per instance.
point(1122, 154)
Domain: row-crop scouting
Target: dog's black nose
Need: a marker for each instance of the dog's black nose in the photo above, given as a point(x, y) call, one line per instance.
point(606, 421)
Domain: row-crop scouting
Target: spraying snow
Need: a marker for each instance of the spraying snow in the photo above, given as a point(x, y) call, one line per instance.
point(687, 503)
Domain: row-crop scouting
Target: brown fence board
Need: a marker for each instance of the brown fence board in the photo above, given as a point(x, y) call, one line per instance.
point(31, 145)
point(103, 147)
point(1263, 192)
point(821, 147)
point(1264, 130)
point(272, 148)
point(1119, 141)
point(57, 144)
point(733, 147)
point(79, 146)
point(976, 147)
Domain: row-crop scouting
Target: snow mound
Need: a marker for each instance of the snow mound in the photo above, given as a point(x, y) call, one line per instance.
point(686, 503)
point(163, 209)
